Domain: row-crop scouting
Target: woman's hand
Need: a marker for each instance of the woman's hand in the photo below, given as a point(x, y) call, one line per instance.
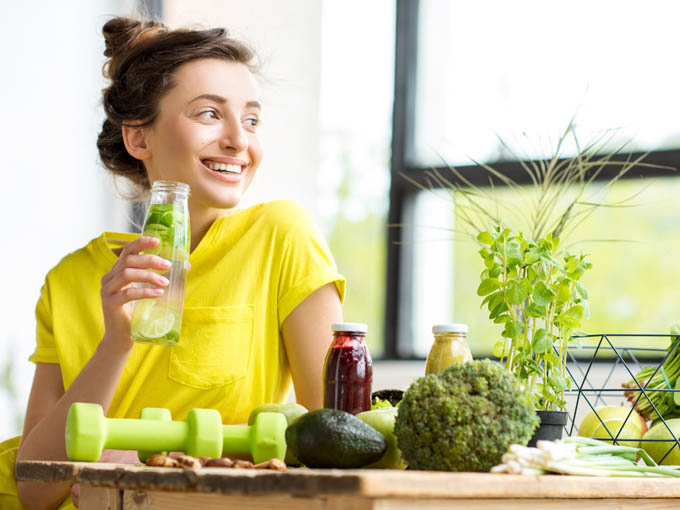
point(119, 289)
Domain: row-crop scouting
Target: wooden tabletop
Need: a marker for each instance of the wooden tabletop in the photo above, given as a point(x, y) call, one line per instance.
point(367, 483)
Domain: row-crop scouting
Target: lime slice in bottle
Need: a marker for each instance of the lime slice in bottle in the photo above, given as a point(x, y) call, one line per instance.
point(153, 321)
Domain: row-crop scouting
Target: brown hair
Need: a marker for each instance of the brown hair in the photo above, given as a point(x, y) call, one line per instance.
point(142, 56)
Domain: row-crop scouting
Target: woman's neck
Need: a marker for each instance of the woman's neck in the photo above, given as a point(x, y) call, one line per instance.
point(201, 221)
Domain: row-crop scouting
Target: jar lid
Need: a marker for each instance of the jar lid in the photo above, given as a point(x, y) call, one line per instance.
point(359, 327)
point(450, 328)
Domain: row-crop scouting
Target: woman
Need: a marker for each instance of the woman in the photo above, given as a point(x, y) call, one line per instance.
point(263, 289)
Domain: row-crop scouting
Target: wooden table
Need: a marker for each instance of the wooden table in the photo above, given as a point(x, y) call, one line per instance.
point(125, 486)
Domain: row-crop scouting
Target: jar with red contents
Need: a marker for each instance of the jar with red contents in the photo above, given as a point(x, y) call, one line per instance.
point(348, 369)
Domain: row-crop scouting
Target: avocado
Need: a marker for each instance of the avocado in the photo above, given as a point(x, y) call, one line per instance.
point(329, 438)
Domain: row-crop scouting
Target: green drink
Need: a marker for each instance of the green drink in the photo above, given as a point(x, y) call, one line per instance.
point(159, 320)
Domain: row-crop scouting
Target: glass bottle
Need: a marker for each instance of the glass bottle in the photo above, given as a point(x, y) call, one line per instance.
point(348, 369)
point(159, 320)
point(450, 346)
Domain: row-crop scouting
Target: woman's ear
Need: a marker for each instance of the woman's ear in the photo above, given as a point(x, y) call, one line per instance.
point(135, 141)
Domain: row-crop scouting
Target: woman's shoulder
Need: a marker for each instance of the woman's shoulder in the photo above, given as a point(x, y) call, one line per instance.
point(89, 258)
point(281, 215)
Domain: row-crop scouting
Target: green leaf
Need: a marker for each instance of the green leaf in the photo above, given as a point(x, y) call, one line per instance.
point(532, 274)
point(484, 253)
point(581, 290)
point(566, 321)
point(489, 261)
point(542, 341)
point(500, 308)
point(513, 251)
point(563, 293)
point(543, 294)
point(517, 292)
point(534, 310)
point(558, 382)
point(485, 237)
point(532, 255)
point(576, 312)
point(512, 329)
point(501, 348)
point(488, 286)
point(495, 271)
point(501, 319)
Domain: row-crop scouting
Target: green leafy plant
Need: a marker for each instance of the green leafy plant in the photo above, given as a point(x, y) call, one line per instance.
point(529, 284)
point(533, 288)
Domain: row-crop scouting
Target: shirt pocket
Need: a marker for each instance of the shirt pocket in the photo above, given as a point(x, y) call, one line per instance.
point(214, 346)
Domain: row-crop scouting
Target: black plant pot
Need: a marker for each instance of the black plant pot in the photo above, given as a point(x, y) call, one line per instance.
point(551, 426)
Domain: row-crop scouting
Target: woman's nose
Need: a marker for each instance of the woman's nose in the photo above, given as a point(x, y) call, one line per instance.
point(233, 136)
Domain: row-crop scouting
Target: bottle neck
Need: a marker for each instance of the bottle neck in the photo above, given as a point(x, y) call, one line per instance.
point(169, 192)
point(447, 337)
point(348, 338)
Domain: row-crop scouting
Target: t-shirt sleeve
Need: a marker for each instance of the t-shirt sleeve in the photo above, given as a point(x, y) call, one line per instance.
point(46, 350)
point(307, 265)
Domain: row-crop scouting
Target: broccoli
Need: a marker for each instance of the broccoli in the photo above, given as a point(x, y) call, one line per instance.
point(463, 419)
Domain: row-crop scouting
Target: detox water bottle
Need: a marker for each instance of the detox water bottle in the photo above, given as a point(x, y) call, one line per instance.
point(159, 320)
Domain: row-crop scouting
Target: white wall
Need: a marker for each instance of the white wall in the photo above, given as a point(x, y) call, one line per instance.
point(287, 37)
point(56, 197)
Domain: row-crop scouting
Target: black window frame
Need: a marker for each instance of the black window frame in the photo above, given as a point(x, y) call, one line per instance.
point(398, 301)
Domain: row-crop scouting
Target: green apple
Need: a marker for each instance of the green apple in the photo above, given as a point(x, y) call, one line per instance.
point(611, 421)
point(382, 420)
point(291, 411)
point(657, 449)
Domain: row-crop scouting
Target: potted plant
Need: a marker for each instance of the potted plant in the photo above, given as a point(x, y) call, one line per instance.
point(533, 289)
point(530, 283)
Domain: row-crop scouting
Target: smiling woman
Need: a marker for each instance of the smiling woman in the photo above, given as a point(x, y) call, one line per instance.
point(263, 289)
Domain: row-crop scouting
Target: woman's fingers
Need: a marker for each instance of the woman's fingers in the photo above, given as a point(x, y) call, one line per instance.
point(128, 254)
point(146, 262)
point(131, 275)
point(133, 294)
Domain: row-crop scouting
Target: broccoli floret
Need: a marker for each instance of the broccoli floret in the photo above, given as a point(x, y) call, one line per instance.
point(463, 419)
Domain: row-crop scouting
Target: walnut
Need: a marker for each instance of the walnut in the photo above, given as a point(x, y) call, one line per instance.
point(225, 462)
point(158, 460)
point(187, 461)
point(243, 464)
point(276, 464)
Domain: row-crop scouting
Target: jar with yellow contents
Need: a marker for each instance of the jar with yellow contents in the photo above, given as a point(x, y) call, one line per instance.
point(450, 346)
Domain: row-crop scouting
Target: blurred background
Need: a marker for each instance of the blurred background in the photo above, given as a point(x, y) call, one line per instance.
point(358, 95)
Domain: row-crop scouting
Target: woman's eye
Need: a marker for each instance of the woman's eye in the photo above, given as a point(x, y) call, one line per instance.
point(208, 114)
point(252, 121)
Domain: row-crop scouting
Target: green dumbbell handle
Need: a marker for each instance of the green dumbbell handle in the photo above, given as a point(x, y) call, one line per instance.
point(131, 434)
point(236, 439)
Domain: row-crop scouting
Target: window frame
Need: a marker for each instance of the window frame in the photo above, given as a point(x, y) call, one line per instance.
point(403, 170)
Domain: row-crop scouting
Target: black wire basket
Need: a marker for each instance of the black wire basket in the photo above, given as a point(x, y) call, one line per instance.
point(595, 372)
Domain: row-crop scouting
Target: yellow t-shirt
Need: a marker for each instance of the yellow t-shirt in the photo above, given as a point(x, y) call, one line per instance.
point(248, 273)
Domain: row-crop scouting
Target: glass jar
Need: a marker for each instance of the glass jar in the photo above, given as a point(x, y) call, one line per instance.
point(159, 320)
point(348, 369)
point(450, 346)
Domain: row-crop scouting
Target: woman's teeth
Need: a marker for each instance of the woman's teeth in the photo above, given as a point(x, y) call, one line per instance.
point(223, 167)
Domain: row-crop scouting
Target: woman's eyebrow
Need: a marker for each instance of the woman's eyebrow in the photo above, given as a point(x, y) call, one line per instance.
point(222, 100)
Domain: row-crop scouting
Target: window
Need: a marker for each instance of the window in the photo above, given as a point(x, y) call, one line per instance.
point(468, 71)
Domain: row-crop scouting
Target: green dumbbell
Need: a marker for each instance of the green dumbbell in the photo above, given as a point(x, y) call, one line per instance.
point(153, 413)
point(88, 432)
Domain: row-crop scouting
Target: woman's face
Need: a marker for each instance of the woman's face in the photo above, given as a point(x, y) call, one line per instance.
point(206, 133)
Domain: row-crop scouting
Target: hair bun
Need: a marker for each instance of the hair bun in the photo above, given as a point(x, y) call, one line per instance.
point(121, 34)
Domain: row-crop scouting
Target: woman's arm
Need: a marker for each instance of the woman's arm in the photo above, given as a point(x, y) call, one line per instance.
point(307, 336)
point(48, 405)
